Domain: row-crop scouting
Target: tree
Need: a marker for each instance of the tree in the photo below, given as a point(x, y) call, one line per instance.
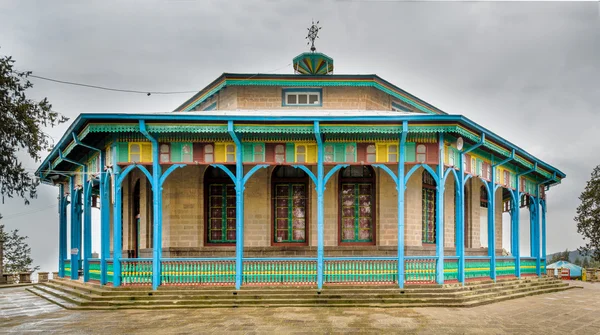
point(17, 253)
point(21, 128)
point(577, 261)
point(588, 216)
point(585, 263)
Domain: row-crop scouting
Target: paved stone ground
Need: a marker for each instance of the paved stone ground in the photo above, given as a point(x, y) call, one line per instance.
point(573, 311)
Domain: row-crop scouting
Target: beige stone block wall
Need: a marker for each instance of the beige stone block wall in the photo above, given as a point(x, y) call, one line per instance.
point(413, 210)
point(257, 209)
point(259, 97)
point(377, 100)
point(498, 220)
point(449, 211)
point(330, 208)
point(387, 210)
point(183, 199)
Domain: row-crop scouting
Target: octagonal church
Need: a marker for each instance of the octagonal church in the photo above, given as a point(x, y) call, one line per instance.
point(311, 178)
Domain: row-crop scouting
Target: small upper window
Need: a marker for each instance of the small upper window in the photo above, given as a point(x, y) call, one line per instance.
point(329, 153)
point(392, 153)
point(421, 153)
point(301, 153)
point(302, 97)
point(371, 153)
point(209, 153)
point(280, 153)
point(259, 153)
point(186, 152)
point(230, 153)
point(164, 153)
point(350, 153)
point(134, 153)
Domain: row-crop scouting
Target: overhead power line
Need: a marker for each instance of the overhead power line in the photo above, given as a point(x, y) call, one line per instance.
point(112, 89)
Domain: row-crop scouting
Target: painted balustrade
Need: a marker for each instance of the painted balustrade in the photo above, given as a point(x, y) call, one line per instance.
point(280, 271)
point(450, 269)
point(543, 266)
point(67, 264)
point(197, 272)
point(505, 267)
point(528, 266)
point(420, 270)
point(109, 270)
point(136, 271)
point(477, 268)
point(94, 269)
point(361, 271)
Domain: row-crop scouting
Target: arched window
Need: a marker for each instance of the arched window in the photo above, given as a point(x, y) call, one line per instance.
point(421, 153)
point(289, 205)
point(357, 205)
point(428, 201)
point(220, 208)
point(483, 197)
point(371, 153)
point(135, 154)
point(279, 153)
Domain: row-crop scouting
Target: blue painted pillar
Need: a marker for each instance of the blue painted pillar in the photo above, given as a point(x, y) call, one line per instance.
point(401, 186)
point(320, 211)
point(157, 206)
point(543, 215)
point(75, 230)
point(492, 223)
point(104, 219)
point(117, 223)
point(460, 220)
point(87, 224)
point(439, 213)
point(536, 224)
point(62, 230)
point(516, 249)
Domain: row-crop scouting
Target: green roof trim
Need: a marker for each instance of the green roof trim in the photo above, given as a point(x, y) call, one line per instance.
point(263, 129)
point(374, 129)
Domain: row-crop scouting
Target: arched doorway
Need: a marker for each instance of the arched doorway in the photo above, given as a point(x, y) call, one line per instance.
point(220, 207)
point(289, 205)
point(357, 205)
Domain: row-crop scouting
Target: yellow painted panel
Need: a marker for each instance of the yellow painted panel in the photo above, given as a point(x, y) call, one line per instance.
point(381, 153)
point(146, 152)
point(220, 152)
point(446, 159)
point(311, 153)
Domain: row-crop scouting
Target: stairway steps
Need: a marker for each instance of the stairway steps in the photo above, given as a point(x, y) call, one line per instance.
point(77, 295)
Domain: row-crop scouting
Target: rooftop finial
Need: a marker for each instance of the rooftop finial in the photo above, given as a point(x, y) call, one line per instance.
point(313, 32)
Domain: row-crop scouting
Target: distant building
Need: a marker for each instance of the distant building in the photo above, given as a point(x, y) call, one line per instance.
point(293, 178)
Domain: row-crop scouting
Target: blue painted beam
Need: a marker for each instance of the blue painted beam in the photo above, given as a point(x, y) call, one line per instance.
point(82, 119)
point(117, 206)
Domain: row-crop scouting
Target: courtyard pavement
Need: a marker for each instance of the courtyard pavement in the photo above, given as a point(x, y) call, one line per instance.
point(568, 312)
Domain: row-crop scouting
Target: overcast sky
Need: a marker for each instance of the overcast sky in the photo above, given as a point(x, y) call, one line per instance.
point(527, 71)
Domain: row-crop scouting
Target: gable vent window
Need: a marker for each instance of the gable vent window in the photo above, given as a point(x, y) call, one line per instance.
point(306, 97)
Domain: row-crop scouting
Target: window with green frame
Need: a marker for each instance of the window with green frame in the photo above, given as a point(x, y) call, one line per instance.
point(221, 207)
point(428, 203)
point(289, 205)
point(357, 204)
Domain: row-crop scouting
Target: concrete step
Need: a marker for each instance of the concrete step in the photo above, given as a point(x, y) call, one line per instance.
point(54, 297)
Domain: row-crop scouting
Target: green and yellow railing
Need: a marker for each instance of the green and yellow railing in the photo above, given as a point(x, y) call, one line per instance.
point(477, 267)
point(528, 266)
point(450, 269)
point(94, 264)
point(505, 266)
point(67, 265)
point(109, 270)
point(264, 271)
point(420, 269)
point(197, 271)
point(136, 271)
point(363, 270)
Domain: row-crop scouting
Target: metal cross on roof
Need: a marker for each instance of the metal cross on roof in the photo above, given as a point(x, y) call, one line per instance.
point(313, 31)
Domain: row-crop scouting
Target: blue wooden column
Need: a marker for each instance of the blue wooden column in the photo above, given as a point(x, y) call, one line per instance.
point(87, 226)
point(104, 219)
point(62, 230)
point(460, 220)
point(535, 247)
point(543, 215)
point(157, 207)
point(401, 189)
point(516, 248)
point(492, 188)
point(75, 230)
point(320, 210)
point(439, 213)
point(117, 217)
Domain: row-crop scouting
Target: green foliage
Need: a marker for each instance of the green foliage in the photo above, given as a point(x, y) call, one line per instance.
point(585, 263)
point(560, 256)
point(588, 216)
point(17, 253)
point(21, 129)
